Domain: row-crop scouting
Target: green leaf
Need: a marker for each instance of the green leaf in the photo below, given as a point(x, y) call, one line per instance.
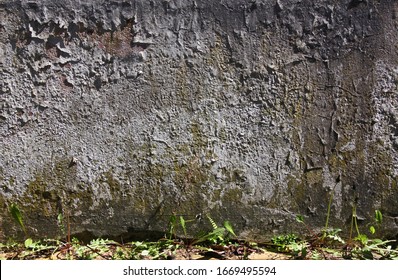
point(228, 227)
point(300, 219)
point(28, 243)
point(212, 222)
point(336, 238)
point(16, 214)
point(60, 219)
point(378, 216)
point(183, 225)
point(372, 230)
point(145, 253)
point(362, 238)
point(213, 236)
point(173, 219)
point(172, 225)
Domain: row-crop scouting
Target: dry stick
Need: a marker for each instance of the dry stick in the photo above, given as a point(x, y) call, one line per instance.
point(98, 253)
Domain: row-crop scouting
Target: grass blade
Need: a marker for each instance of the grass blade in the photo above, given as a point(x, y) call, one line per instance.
point(17, 215)
point(182, 222)
point(378, 216)
point(228, 227)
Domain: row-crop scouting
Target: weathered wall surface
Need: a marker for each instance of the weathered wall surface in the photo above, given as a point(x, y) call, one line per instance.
point(121, 113)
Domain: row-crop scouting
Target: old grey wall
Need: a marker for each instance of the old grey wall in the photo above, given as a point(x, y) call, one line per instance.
point(122, 113)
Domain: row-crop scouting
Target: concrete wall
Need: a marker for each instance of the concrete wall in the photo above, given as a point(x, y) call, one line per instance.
point(122, 113)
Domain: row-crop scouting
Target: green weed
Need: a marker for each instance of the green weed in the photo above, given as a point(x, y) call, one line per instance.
point(218, 234)
point(17, 215)
point(330, 244)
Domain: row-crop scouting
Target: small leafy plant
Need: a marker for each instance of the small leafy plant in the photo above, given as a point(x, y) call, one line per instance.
point(329, 244)
point(175, 223)
point(218, 235)
point(283, 242)
point(363, 247)
point(151, 250)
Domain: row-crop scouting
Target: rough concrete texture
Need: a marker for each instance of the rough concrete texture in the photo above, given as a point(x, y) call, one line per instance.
point(119, 114)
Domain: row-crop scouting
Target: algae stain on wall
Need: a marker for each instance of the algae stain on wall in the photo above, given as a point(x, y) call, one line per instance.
point(194, 108)
point(54, 190)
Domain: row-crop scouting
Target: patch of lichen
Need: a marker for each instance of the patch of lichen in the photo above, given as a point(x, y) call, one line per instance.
point(383, 178)
point(190, 175)
point(216, 194)
point(6, 184)
point(382, 182)
point(367, 173)
point(191, 202)
point(375, 161)
point(1, 174)
point(182, 194)
point(313, 177)
point(298, 185)
point(181, 80)
point(232, 196)
point(37, 188)
point(145, 173)
point(295, 100)
point(298, 192)
point(198, 137)
point(389, 202)
point(218, 55)
point(54, 190)
point(166, 181)
point(336, 162)
point(112, 182)
point(394, 184)
point(6, 222)
point(40, 205)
